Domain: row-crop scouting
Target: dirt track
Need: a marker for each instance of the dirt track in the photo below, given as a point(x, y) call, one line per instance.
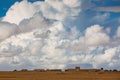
point(54, 75)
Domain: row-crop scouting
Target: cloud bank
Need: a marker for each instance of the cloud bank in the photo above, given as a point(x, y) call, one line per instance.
point(37, 38)
point(109, 9)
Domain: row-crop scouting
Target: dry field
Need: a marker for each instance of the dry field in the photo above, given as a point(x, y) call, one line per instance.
point(57, 75)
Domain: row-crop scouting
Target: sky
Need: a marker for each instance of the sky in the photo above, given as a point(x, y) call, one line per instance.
point(59, 34)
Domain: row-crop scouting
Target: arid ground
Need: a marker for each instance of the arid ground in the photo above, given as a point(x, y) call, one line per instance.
point(59, 75)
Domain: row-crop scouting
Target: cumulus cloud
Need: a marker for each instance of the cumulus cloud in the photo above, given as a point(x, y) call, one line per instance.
point(42, 41)
point(95, 35)
point(7, 29)
point(52, 9)
point(72, 3)
point(110, 58)
point(29, 16)
point(36, 22)
point(109, 9)
point(19, 11)
point(43, 50)
point(59, 9)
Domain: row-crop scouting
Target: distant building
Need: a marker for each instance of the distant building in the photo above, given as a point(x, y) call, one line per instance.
point(54, 70)
point(41, 70)
point(24, 70)
point(69, 70)
point(77, 68)
point(15, 70)
point(115, 70)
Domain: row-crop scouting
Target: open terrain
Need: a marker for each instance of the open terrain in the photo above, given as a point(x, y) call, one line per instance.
point(60, 75)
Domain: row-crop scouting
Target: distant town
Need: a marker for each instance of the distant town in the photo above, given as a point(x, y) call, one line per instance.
point(76, 69)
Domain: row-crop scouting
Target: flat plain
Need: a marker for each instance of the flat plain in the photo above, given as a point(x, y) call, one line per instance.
point(60, 75)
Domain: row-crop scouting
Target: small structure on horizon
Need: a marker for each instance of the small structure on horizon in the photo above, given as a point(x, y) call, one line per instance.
point(40, 70)
point(24, 70)
point(53, 70)
point(77, 68)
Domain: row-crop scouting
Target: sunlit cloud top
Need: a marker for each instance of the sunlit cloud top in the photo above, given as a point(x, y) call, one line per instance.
point(59, 34)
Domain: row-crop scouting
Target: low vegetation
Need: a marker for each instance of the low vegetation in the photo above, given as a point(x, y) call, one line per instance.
point(57, 74)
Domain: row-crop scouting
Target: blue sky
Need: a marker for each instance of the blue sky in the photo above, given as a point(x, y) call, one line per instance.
point(88, 12)
point(6, 4)
point(80, 32)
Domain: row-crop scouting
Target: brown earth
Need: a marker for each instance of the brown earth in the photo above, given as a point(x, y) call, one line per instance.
point(59, 75)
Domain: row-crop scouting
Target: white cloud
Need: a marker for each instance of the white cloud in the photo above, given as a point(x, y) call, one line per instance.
point(7, 29)
point(27, 25)
point(72, 3)
point(59, 9)
point(19, 11)
point(52, 9)
point(36, 22)
point(108, 59)
point(42, 39)
point(29, 16)
point(41, 52)
point(95, 35)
